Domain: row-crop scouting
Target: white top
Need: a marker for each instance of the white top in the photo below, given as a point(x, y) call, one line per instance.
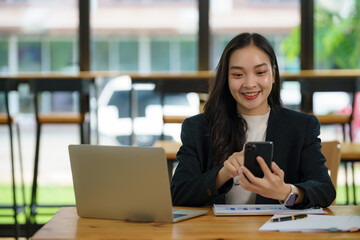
point(257, 126)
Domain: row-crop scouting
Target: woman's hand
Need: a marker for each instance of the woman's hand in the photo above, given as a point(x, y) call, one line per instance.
point(231, 168)
point(272, 185)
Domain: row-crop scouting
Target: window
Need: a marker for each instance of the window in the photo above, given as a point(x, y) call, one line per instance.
point(128, 55)
point(29, 55)
point(4, 55)
point(38, 36)
point(337, 39)
point(145, 36)
point(62, 56)
point(160, 55)
point(188, 55)
point(100, 55)
point(273, 19)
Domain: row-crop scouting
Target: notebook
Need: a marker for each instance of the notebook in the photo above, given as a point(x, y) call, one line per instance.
point(124, 182)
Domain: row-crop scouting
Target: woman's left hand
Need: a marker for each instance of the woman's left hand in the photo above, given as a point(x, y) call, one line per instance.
point(272, 185)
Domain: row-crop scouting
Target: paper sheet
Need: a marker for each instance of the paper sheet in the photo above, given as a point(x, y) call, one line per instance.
point(314, 223)
point(261, 209)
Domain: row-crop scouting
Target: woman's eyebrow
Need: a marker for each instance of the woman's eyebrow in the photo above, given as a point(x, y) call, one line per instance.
point(256, 66)
point(261, 65)
point(236, 67)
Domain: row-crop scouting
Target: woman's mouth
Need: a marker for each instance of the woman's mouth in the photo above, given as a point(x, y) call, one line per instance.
point(251, 95)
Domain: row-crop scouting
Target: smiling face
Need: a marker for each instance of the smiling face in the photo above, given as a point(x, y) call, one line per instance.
point(250, 80)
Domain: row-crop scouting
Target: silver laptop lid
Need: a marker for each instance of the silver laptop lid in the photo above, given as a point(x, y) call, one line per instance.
point(118, 182)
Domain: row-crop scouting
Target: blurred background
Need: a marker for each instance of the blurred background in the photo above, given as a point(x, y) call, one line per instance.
point(152, 36)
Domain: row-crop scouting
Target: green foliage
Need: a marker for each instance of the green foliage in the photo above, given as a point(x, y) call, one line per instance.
point(61, 55)
point(336, 39)
point(3, 53)
point(291, 44)
point(46, 195)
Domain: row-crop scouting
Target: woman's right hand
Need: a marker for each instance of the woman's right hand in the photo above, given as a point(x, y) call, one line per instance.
point(230, 169)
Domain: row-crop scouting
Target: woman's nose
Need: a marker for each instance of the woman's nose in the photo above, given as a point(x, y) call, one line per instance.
point(249, 81)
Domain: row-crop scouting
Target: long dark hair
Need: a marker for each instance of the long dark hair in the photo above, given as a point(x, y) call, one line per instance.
point(227, 128)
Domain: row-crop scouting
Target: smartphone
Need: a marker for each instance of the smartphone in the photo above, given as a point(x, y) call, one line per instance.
point(254, 149)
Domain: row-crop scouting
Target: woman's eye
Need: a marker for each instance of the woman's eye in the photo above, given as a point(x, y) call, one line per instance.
point(261, 72)
point(237, 74)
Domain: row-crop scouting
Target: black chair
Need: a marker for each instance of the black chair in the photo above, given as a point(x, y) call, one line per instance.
point(6, 119)
point(80, 118)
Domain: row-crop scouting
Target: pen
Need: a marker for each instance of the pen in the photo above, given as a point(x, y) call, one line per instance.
point(289, 218)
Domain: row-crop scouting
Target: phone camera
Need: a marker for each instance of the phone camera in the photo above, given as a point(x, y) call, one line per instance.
point(250, 148)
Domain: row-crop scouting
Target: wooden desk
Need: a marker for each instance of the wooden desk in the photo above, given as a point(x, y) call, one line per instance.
point(67, 225)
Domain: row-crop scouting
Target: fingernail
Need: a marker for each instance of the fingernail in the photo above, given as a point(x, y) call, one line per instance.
point(236, 180)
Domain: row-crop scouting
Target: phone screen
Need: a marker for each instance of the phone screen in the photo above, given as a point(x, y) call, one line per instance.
point(254, 149)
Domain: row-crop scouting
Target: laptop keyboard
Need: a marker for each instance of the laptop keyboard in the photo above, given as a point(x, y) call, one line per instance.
point(179, 215)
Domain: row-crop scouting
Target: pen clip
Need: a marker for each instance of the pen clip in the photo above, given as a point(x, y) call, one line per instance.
point(289, 218)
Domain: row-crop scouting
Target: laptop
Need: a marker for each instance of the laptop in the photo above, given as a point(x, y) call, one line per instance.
point(124, 182)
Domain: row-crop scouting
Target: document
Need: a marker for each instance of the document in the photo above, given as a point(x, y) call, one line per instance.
point(261, 209)
point(314, 223)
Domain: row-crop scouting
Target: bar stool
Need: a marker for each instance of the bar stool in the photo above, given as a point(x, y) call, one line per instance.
point(7, 119)
point(308, 86)
point(350, 154)
point(174, 119)
point(333, 119)
point(80, 118)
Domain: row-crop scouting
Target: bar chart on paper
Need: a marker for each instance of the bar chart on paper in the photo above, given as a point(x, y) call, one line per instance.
point(261, 209)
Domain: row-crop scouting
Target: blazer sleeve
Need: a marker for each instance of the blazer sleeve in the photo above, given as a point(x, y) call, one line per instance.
point(193, 183)
point(316, 182)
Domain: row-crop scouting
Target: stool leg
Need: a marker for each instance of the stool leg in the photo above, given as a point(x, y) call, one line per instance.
point(34, 184)
point(170, 168)
point(88, 132)
point(85, 133)
point(346, 183)
point(15, 206)
point(350, 132)
point(353, 182)
point(23, 182)
point(344, 131)
point(82, 137)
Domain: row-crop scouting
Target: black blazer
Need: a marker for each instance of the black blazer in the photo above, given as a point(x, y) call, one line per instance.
point(297, 151)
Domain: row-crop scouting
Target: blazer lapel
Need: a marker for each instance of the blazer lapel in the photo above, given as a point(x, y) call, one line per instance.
point(273, 124)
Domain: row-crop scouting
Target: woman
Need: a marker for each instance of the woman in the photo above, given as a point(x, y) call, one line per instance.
point(244, 105)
